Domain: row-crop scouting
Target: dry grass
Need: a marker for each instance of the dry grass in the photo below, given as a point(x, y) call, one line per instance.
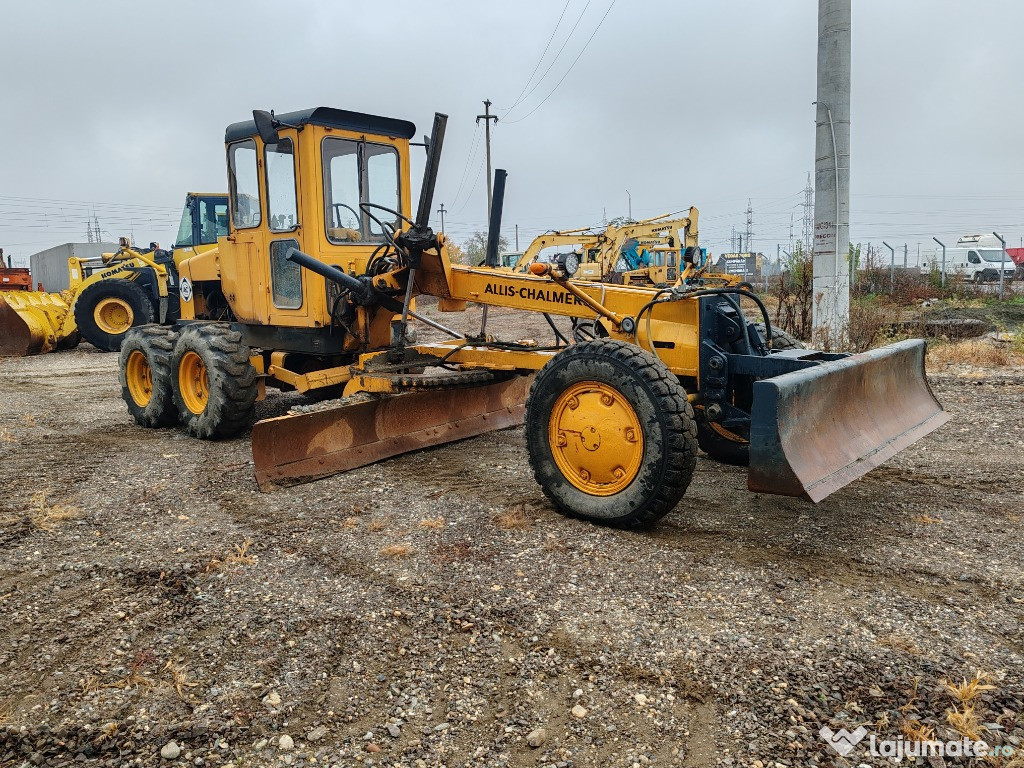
point(6, 436)
point(514, 518)
point(179, 678)
point(350, 522)
point(966, 722)
point(45, 516)
point(975, 352)
point(962, 716)
point(6, 712)
point(397, 550)
point(432, 522)
point(926, 519)
point(28, 419)
point(900, 643)
point(240, 556)
point(378, 524)
point(967, 691)
point(915, 730)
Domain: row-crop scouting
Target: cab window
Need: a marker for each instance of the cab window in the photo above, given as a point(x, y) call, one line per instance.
point(358, 172)
point(285, 276)
point(973, 258)
point(213, 221)
point(243, 180)
point(281, 204)
point(184, 238)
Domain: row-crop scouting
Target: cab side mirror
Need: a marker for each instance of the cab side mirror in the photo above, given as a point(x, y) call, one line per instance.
point(265, 126)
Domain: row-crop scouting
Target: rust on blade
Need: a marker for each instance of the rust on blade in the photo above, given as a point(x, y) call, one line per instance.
point(292, 449)
point(816, 430)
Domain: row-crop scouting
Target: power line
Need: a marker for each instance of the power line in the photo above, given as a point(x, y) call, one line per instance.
point(540, 60)
point(557, 55)
point(580, 54)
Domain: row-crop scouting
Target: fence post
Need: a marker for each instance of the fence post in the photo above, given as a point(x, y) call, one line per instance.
point(892, 267)
point(943, 260)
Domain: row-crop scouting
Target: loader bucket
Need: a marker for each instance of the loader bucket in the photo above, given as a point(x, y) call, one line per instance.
point(815, 430)
point(30, 322)
point(308, 446)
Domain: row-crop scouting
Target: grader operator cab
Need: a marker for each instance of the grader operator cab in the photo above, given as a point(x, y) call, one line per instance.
point(315, 287)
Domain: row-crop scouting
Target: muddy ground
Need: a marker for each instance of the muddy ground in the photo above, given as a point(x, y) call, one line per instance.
point(435, 610)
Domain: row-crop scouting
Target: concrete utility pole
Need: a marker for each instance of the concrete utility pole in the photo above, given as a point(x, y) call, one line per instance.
point(630, 198)
point(832, 172)
point(904, 255)
point(517, 238)
point(441, 211)
point(487, 117)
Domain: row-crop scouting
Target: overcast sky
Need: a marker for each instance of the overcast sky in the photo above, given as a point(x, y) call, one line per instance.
point(119, 108)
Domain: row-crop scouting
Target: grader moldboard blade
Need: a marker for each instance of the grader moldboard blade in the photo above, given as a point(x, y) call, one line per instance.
point(815, 430)
point(291, 449)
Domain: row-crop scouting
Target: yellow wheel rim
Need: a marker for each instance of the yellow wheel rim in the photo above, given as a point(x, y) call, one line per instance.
point(193, 382)
point(595, 438)
point(139, 377)
point(113, 316)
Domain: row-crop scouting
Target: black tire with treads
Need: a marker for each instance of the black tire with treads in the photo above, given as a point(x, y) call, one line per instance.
point(132, 294)
point(780, 339)
point(666, 419)
point(734, 449)
point(156, 344)
point(232, 381)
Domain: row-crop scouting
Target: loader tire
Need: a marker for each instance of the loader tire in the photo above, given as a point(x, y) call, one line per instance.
point(781, 339)
point(145, 375)
point(106, 310)
point(213, 382)
point(720, 444)
point(610, 434)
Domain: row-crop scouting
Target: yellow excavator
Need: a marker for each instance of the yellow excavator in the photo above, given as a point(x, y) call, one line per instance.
point(656, 251)
point(320, 272)
point(108, 296)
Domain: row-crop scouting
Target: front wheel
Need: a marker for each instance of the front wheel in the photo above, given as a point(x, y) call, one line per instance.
point(610, 434)
point(107, 309)
point(214, 384)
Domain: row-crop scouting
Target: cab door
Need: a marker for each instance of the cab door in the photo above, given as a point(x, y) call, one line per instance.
point(286, 280)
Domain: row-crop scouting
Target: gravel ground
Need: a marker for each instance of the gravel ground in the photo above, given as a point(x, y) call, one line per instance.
point(435, 610)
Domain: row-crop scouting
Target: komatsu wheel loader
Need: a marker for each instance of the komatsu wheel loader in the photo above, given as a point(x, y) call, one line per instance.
point(110, 295)
point(314, 287)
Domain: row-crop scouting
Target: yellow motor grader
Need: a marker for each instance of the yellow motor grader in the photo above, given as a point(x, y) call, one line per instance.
point(314, 287)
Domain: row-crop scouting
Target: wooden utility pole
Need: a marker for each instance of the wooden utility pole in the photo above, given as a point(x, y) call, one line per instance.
point(487, 117)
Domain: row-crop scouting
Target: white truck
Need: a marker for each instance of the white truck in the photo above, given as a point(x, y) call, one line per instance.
point(977, 258)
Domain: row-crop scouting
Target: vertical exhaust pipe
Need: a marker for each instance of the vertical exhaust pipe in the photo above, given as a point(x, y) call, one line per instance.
point(430, 171)
point(494, 226)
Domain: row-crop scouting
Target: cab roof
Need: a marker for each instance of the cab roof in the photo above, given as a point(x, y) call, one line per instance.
point(330, 118)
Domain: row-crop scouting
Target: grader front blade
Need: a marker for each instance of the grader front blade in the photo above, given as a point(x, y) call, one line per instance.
point(31, 323)
point(815, 430)
point(291, 449)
